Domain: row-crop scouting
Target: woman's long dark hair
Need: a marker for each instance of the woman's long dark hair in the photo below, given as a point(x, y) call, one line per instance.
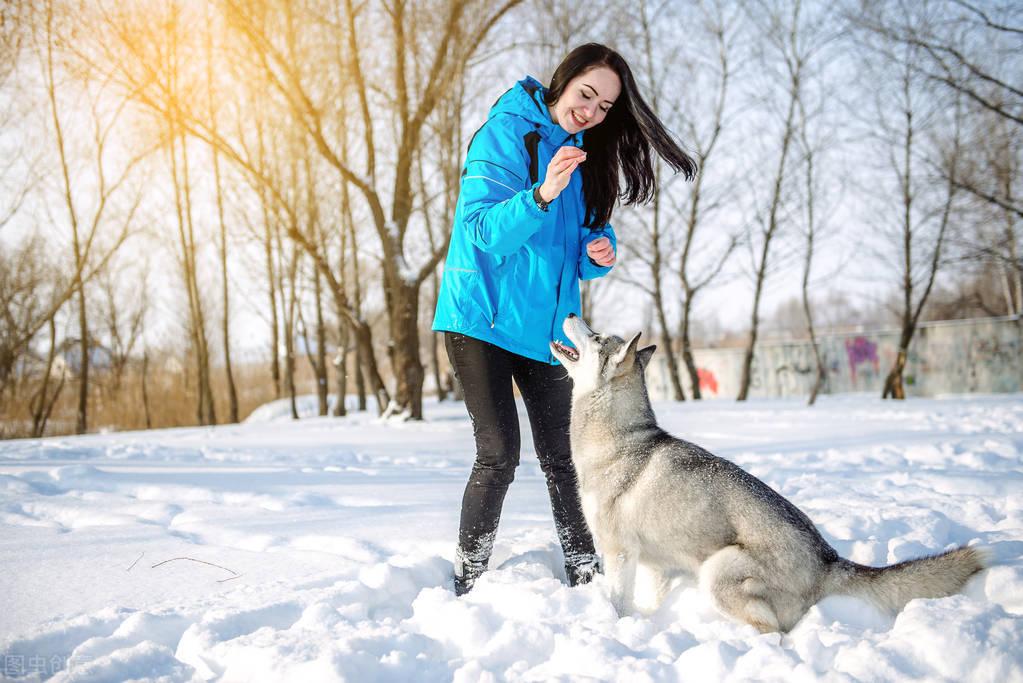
point(621, 142)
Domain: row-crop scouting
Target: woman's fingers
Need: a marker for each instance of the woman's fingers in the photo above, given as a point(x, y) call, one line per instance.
point(569, 153)
point(601, 251)
point(559, 171)
point(566, 167)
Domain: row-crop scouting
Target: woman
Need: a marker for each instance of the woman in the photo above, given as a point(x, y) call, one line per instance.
point(539, 183)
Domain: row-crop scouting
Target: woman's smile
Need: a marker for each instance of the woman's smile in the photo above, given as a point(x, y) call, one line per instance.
point(586, 99)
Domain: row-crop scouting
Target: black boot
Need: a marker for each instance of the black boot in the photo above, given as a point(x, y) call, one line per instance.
point(466, 572)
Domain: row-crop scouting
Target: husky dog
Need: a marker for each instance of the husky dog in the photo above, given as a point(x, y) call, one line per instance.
point(651, 498)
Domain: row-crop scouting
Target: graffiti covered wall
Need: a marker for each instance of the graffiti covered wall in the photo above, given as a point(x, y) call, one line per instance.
point(982, 356)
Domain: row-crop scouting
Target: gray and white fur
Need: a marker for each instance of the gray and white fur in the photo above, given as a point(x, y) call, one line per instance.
point(654, 499)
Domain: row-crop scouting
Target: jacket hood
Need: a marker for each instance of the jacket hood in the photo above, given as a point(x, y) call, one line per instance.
point(525, 99)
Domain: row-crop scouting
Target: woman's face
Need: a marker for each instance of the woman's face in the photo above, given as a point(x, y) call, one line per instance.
point(586, 99)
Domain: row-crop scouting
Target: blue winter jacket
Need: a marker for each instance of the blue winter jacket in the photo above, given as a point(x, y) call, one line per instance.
point(512, 271)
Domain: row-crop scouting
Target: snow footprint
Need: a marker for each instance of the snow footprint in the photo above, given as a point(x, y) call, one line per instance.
point(201, 642)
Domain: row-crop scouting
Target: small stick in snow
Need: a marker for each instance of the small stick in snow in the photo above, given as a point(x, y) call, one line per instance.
point(192, 559)
point(135, 562)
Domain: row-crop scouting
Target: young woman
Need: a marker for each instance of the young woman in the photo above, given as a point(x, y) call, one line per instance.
point(540, 180)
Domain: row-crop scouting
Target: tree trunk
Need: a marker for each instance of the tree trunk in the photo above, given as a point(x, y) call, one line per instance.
point(361, 372)
point(232, 391)
point(1010, 306)
point(893, 382)
point(42, 404)
point(811, 228)
point(818, 364)
point(145, 390)
point(365, 361)
point(364, 340)
point(341, 368)
point(78, 284)
point(658, 288)
point(269, 230)
point(408, 370)
point(188, 264)
point(81, 421)
point(360, 327)
point(662, 319)
point(321, 351)
point(435, 337)
point(747, 360)
point(687, 349)
point(289, 297)
point(1017, 276)
point(275, 323)
point(772, 227)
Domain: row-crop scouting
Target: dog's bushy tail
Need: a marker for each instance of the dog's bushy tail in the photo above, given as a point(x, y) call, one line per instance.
point(891, 587)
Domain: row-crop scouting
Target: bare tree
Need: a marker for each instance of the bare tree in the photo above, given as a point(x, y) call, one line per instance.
point(315, 340)
point(225, 324)
point(349, 245)
point(319, 358)
point(917, 285)
point(988, 240)
point(447, 130)
point(29, 284)
point(85, 223)
point(663, 236)
point(454, 29)
point(812, 235)
point(17, 172)
point(276, 192)
point(649, 246)
point(121, 306)
point(719, 19)
point(267, 237)
point(971, 48)
point(287, 286)
point(177, 155)
point(918, 135)
point(13, 22)
point(792, 46)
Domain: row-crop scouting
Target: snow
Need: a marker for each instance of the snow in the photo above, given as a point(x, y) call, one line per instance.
point(322, 549)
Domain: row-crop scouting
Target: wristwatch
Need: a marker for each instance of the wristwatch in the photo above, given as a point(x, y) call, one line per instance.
point(541, 203)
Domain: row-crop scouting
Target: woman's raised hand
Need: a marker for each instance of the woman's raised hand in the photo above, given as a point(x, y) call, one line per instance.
point(559, 171)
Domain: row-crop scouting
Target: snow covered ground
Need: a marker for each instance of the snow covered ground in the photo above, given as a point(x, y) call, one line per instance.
point(321, 550)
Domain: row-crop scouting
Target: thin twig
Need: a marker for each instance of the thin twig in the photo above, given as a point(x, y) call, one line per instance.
point(192, 559)
point(135, 562)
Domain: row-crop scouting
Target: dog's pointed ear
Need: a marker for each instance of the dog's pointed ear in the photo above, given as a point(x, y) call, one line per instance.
point(625, 356)
point(643, 355)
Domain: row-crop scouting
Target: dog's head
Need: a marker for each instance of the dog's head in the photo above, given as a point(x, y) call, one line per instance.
point(598, 359)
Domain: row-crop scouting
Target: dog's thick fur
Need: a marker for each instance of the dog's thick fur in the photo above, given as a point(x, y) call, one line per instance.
point(651, 498)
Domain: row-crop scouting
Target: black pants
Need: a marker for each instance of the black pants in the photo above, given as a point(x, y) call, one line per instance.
point(486, 373)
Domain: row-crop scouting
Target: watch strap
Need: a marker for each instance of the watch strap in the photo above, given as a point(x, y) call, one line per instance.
point(540, 202)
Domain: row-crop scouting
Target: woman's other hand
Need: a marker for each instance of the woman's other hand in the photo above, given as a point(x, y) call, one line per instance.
point(601, 251)
point(559, 171)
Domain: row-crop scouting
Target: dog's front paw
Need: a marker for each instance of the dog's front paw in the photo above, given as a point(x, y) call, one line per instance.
point(622, 605)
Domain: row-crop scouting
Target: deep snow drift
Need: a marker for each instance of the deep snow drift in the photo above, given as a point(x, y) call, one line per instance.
point(321, 550)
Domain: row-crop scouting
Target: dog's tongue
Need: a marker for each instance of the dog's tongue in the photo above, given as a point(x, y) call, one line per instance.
point(567, 350)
